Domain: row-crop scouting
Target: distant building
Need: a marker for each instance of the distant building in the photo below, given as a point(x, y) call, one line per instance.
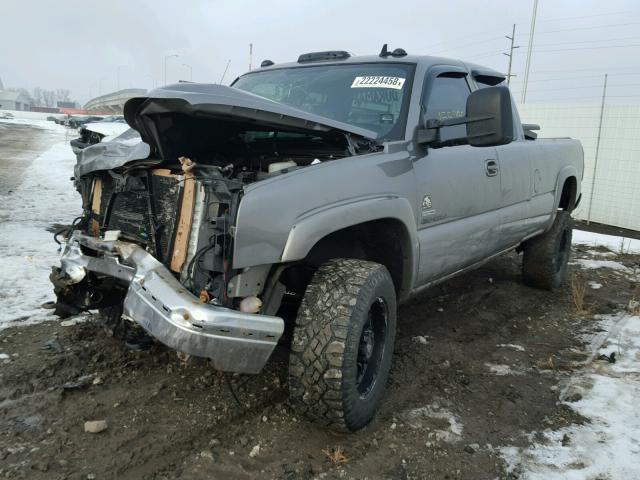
point(66, 105)
point(45, 109)
point(112, 103)
point(13, 100)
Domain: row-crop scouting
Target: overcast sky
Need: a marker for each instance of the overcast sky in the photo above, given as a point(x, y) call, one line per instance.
point(80, 45)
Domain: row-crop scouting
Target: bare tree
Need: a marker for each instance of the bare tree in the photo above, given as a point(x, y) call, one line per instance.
point(48, 98)
point(38, 100)
point(63, 95)
point(26, 93)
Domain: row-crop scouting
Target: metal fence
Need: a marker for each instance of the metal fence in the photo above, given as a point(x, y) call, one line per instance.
point(610, 135)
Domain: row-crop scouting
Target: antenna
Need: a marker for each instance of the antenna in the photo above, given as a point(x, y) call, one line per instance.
point(225, 71)
point(384, 52)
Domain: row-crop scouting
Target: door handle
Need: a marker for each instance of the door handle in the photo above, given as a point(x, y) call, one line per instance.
point(491, 167)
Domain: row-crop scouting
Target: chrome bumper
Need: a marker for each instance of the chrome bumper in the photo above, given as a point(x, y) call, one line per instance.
point(234, 341)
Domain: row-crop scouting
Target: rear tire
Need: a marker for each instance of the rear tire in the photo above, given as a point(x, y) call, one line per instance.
point(546, 257)
point(343, 343)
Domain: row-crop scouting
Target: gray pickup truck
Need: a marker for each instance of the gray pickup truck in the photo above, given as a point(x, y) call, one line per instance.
point(301, 204)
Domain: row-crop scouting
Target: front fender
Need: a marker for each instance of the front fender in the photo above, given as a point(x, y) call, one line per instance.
point(280, 219)
point(313, 226)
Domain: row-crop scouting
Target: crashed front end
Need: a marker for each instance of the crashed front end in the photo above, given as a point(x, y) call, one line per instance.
point(156, 300)
point(157, 235)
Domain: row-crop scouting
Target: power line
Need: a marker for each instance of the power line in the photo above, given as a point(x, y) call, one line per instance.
point(544, 20)
point(573, 77)
point(590, 48)
point(592, 27)
point(529, 50)
point(540, 21)
point(587, 41)
point(573, 87)
point(590, 69)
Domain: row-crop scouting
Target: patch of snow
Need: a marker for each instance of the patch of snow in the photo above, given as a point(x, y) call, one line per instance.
point(595, 285)
point(82, 318)
point(609, 445)
point(626, 345)
point(614, 243)
point(502, 370)
point(513, 346)
point(3, 356)
point(598, 253)
point(421, 339)
point(27, 250)
point(419, 418)
point(511, 457)
point(592, 264)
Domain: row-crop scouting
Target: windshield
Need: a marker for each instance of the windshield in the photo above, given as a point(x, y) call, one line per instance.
point(373, 96)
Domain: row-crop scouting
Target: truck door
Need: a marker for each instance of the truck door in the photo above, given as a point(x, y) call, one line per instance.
point(458, 187)
point(516, 165)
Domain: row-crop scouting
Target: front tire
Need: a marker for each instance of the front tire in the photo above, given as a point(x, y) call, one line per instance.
point(546, 257)
point(343, 343)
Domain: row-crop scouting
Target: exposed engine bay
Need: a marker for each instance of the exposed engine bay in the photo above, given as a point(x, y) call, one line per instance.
point(156, 243)
point(182, 210)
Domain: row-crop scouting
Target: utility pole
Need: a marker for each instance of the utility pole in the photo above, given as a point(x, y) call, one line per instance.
point(529, 49)
point(510, 54)
point(250, 55)
point(595, 161)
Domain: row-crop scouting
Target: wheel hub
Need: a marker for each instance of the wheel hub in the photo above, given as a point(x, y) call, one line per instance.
point(371, 346)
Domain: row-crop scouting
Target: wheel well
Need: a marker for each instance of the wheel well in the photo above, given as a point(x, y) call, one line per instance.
point(385, 241)
point(568, 195)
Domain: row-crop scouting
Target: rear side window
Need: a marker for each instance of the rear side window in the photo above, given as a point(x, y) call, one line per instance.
point(446, 99)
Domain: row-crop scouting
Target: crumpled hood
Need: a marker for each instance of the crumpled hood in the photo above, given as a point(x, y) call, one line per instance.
point(107, 129)
point(225, 103)
point(109, 155)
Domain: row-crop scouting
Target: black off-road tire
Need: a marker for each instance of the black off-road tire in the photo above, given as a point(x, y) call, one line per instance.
point(546, 257)
point(343, 343)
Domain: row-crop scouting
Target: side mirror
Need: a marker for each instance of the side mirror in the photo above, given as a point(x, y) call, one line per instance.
point(489, 121)
point(489, 117)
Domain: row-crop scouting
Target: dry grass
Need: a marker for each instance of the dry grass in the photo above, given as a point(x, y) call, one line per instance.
point(335, 455)
point(550, 364)
point(578, 290)
point(633, 307)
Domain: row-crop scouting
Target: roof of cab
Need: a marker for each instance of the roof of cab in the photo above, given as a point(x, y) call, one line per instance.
point(423, 60)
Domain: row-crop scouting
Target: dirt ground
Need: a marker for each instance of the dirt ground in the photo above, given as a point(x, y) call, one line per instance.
point(478, 364)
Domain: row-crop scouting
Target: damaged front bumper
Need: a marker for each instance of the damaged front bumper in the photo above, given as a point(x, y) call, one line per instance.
point(234, 341)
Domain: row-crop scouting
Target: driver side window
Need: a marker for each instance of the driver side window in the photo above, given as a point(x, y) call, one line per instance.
point(447, 98)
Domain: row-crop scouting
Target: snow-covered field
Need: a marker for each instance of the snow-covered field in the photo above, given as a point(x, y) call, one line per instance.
point(613, 243)
point(27, 250)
